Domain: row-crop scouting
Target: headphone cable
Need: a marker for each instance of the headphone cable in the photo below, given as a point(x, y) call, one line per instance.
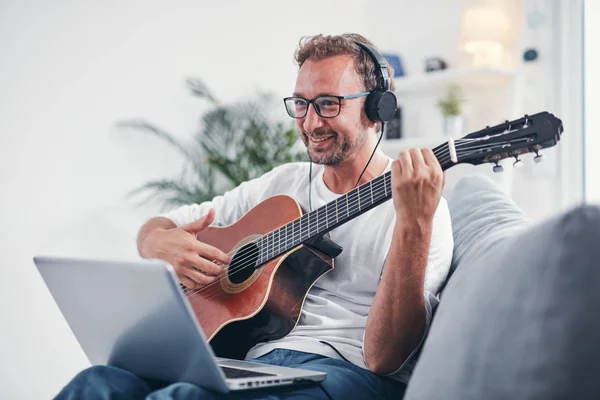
point(372, 154)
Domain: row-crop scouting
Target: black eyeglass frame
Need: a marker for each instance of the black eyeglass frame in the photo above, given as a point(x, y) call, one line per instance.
point(308, 102)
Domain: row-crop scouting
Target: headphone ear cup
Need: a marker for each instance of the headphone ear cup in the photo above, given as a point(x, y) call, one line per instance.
point(381, 105)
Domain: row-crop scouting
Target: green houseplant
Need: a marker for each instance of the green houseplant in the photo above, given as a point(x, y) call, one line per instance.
point(451, 107)
point(451, 103)
point(234, 142)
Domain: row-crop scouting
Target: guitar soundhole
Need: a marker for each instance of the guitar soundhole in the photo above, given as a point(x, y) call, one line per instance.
point(243, 264)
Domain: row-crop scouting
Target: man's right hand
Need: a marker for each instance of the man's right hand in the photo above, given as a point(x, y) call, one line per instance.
point(194, 262)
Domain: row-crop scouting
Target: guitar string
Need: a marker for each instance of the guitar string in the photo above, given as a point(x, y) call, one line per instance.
point(248, 259)
point(246, 265)
point(440, 150)
point(243, 263)
point(376, 184)
point(278, 242)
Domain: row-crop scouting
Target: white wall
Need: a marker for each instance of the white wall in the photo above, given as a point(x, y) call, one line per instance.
point(68, 71)
point(592, 100)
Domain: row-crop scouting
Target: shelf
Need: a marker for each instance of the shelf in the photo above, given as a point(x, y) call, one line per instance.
point(466, 78)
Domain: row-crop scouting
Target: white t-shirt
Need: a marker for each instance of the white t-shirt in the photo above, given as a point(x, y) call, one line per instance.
point(337, 306)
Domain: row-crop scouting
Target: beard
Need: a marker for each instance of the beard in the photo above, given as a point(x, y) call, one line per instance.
point(338, 150)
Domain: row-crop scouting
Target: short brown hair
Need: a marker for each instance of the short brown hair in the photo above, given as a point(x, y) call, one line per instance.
point(321, 47)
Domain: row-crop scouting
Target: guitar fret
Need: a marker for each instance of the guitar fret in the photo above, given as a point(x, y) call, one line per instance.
point(380, 194)
point(351, 200)
point(294, 230)
point(279, 240)
point(358, 195)
point(385, 185)
point(307, 225)
point(347, 207)
point(318, 220)
point(337, 218)
point(371, 186)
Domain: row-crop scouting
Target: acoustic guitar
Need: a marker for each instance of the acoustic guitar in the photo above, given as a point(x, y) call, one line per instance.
point(278, 250)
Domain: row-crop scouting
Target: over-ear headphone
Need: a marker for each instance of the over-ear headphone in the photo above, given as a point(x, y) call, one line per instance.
point(381, 103)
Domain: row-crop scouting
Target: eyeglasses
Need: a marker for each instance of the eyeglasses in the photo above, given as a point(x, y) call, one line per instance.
point(325, 106)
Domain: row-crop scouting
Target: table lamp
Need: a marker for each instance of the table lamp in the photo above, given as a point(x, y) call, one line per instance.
point(484, 33)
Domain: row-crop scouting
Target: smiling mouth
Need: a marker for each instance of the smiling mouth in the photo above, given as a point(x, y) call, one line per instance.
point(319, 140)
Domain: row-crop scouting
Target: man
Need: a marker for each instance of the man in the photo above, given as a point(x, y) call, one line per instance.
point(362, 322)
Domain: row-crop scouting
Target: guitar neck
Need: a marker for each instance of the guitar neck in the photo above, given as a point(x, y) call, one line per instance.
point(345, 208)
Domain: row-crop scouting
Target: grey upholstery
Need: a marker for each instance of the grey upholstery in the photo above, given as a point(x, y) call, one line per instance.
point(482, 216)
point(518, 318)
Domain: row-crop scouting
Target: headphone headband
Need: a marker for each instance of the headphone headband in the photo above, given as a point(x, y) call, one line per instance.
point(381, 103)
point(379, 61)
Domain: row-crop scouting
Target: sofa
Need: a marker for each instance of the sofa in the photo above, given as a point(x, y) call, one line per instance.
point(519, 315)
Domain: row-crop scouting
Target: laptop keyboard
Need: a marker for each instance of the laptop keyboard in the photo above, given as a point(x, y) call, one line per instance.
point(233, 373)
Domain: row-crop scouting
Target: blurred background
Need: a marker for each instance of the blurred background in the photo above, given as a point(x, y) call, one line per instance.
point(114, 111)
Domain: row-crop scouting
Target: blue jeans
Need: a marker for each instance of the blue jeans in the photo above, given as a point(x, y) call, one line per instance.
point(344, 381)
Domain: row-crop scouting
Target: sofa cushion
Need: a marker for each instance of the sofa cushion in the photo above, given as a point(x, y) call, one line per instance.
point(482, 216)
point(518, 317)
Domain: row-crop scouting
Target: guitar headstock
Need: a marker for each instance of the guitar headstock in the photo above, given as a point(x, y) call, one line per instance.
point(510, 139)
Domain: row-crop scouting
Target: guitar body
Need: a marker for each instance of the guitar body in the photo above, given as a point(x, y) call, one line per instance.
point(266, 305)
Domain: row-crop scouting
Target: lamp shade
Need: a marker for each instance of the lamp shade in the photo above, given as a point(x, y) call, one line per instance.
point(484, 32)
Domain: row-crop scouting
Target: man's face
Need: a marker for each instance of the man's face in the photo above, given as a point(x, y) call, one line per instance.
point(330, 141)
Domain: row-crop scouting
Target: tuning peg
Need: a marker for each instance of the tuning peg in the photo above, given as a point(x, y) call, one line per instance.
point(518, 163)
point(498, 168)
point(538, 157)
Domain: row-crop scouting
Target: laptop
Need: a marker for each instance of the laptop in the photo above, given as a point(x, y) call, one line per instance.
point(133, 315)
